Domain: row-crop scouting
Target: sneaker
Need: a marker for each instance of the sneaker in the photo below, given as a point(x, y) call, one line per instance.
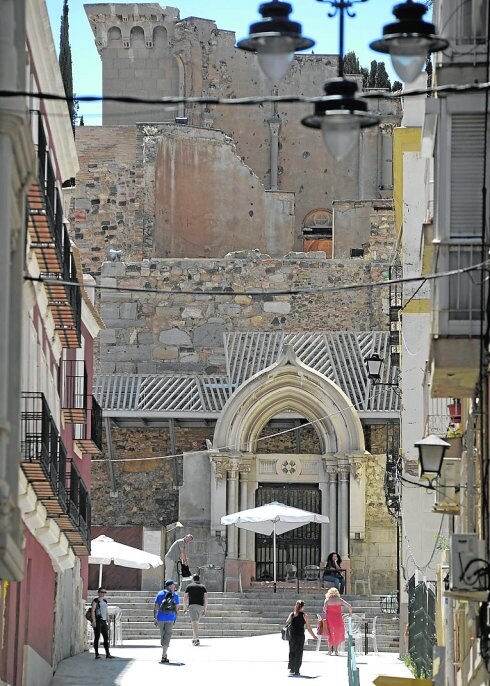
point(109, 657)
point(196, 642)
point(97, 657)
point(164, 660)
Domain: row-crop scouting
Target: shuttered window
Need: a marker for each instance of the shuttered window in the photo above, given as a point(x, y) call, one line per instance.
point(467, 138)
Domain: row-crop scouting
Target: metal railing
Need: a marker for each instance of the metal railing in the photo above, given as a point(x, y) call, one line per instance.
point(73, 374)
point(79, 507)
point(352, 668)
point(39, 435)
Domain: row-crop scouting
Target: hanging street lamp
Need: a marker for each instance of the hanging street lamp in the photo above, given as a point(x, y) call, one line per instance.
point(341, 115)
point(275, 39)
point(409, 40)
point(431, 454)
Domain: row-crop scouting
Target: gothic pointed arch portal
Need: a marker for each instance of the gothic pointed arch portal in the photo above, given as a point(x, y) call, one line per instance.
point(238, 466)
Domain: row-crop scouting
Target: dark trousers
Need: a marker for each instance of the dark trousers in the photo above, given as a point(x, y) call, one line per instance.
point(296, 646)
point(101, 628)
point(337, 581)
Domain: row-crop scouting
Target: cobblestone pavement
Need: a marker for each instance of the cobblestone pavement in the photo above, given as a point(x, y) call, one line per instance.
point(222, 661)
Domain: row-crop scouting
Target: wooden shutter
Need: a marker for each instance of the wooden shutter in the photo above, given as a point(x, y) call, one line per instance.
point(467, 137)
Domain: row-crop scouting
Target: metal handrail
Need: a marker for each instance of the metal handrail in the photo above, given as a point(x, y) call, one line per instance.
point(352, 668)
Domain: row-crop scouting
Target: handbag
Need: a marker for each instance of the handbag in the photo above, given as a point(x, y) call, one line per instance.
point(184, 570)
point(321, 627)
point(286, 632)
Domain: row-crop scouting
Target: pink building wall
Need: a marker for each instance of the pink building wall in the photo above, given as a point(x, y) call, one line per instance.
point(29, 613)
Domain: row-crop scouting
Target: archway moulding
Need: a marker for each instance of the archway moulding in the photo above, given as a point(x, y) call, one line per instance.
point(290, 385)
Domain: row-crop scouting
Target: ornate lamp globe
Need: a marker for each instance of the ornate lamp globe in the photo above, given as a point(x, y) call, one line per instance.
point(340, 116)
point(431, 454)
point(275, 39)
point(409, 40)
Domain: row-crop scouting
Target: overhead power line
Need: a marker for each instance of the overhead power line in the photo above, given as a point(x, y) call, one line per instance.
point(252, 100)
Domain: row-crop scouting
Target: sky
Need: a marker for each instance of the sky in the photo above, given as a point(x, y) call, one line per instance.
point(234, 15)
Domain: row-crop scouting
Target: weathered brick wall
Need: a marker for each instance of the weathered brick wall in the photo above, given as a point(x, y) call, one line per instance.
point(107, 202)
point(144, 483)
point(175, 330)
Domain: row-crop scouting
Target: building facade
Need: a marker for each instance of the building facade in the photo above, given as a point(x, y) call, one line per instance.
point(55, 423)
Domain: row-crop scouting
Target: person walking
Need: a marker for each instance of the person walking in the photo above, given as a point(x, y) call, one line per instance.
point(196, 601)
point(332, 612)
point(298, 620)
point(99, 623)
point(165, 614)
point(333, 572)
point(176, 553)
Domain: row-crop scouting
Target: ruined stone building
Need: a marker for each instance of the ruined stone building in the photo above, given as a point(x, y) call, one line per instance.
point(231, 370)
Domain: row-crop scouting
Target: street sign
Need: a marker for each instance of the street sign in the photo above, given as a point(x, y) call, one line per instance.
point(401, 681)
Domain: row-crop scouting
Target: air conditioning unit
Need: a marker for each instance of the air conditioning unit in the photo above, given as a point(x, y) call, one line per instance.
point(467, 557)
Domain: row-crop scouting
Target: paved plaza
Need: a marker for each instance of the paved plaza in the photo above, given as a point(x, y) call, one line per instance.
point(221, 661)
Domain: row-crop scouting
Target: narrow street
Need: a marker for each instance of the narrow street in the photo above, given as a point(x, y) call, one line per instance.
point(235, 661)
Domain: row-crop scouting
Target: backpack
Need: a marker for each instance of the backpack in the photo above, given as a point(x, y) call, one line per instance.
point(168, 604)
point(88, 614)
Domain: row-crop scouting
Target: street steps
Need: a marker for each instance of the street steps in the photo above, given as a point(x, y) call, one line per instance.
point(251, 613)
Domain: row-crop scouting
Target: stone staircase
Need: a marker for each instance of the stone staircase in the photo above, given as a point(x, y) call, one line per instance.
point(251, 613)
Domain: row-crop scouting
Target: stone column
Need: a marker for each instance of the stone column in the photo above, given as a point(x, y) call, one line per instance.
point(357, 518)
point(232, 506)
point(332, 506)
point(274, 125)
point(323, 486)
point(343, 545)
point(252, 487)
point(218, 493)
point(386, 166)
point(244, 471)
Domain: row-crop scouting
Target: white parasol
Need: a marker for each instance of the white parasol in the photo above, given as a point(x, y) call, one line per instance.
point(104, 550)
point(274, 518)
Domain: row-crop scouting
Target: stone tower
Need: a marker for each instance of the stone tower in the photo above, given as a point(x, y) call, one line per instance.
point(134, 42)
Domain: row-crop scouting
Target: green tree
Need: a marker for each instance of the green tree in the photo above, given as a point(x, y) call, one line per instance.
point(382, 79)
point(376, 77)
point(397, 86)
point(66, 65)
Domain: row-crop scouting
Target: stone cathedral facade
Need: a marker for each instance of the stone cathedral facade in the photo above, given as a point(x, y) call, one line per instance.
point(233, 371)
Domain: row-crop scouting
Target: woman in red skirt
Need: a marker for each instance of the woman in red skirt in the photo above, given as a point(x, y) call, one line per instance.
point(332, 612)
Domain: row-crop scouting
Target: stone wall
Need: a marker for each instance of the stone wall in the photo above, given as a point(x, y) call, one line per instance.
point(148, 51)
point(177, 328)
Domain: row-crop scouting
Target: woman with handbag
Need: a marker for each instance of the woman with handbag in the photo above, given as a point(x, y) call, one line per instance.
point(332, 612)
point(297, 620)
point(333, 572)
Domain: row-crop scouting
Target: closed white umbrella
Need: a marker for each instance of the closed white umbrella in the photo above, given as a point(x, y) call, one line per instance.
point(104, 550)
point(274, 518)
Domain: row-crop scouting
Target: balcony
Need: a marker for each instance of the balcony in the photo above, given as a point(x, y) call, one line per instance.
point(45, 464)
point(89, 440)
point(43, 457)
point(79, 513)
point(51, 243)
point(456, 320)
point(73, 382)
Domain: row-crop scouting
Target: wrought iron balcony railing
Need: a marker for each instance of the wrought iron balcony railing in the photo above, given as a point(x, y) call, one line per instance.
point(79, 510)
point(46, 466)
point(51, 242)
point(73, 385)
point(43, 453)
point(89, 438)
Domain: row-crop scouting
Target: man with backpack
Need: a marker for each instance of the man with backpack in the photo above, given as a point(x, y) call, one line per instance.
point(165, 614)
point(98, 611)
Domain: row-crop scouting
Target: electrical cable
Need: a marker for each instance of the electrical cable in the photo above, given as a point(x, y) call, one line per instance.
point(227, 447)
point(245, 101)
point(229, 293)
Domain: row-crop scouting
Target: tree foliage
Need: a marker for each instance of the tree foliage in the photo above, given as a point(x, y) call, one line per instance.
point(375, 77)
point(65, 63)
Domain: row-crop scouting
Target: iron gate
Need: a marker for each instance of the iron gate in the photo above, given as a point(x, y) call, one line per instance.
point(421, 626)
point(300, 546)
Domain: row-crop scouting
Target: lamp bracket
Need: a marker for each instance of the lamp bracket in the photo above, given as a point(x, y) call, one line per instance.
point(342, 5)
